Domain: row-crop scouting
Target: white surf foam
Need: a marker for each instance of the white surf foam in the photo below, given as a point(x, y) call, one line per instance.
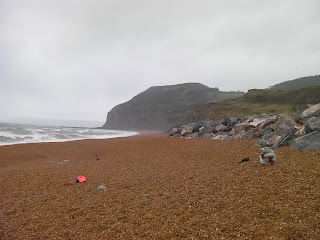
point(21, 134)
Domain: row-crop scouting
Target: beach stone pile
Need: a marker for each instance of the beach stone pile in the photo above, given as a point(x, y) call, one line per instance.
point(299, 130)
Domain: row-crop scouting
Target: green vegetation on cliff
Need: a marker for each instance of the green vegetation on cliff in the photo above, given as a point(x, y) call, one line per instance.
point(283, 96)
point(258, 101)
point(299, 83)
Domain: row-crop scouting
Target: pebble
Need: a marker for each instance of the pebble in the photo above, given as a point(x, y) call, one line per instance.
point(101, 187)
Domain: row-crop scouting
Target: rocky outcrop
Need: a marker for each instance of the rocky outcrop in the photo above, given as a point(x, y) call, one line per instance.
point(159, 108)
point(271, 130)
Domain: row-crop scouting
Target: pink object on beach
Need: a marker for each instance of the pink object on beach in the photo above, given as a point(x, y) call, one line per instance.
point(81, 178)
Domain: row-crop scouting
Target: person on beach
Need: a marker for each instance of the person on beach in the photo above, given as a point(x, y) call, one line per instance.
point(267, 153)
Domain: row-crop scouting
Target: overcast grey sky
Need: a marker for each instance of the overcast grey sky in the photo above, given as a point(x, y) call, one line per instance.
point(76, 59)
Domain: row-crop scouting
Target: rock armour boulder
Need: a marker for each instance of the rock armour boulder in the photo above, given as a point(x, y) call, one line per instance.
point(271, 130)
point(307, 142)
point(307, 112)
point(313, 125)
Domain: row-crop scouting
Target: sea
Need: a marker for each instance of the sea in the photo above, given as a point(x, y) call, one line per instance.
point(21, 133)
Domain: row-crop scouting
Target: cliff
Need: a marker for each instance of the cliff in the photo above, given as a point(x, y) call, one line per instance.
point(161, 107)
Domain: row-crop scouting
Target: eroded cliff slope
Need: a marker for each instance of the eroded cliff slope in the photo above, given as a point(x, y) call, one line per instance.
point(161, 107)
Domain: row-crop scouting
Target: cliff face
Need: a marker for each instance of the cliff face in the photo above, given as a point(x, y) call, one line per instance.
point(162, 107)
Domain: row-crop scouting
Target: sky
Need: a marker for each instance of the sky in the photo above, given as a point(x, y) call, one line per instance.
point(77, 59)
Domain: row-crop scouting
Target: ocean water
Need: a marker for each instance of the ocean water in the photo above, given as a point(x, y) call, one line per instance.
point(17, 133)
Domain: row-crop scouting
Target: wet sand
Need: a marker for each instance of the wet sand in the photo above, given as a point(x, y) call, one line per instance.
point(157, 188)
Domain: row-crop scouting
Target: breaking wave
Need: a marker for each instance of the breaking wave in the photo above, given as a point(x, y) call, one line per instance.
point(12, 133)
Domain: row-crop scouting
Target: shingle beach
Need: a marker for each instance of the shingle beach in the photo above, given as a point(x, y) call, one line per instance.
point(157, 188)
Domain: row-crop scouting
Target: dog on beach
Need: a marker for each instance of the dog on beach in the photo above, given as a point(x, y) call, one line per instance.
point(267, 153)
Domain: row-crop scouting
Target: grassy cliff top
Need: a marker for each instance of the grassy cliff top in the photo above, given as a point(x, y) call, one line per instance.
point(258, 101)
point(299, 83)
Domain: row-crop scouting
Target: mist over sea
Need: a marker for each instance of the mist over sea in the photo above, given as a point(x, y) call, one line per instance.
point(19, 133)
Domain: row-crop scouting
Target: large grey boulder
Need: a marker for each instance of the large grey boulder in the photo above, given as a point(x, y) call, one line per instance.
point(265, 131)
point(234, 121)
point(194, 135)
point(283, 141)
point(267, 122)
point(255, 123)
point(213, 124)
point(285, 125)
point(240, 126)
point(187, 130)
point(285, 128)
point(226, 121)
point(307, 142)
point(196, 127)
point(206, 128)
point(239, 135)
point(307, 112)
point(222, 137)
point(251, 133)
point(219, 128)
point(208, 135)
point(174, 131)
point(262, 143)
point(286, 118)
point(313, 125)
point(267, 140)
point(300, 131)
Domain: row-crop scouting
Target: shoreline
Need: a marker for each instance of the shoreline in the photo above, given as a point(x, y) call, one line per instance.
point(132, 133)
point(158, 188)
